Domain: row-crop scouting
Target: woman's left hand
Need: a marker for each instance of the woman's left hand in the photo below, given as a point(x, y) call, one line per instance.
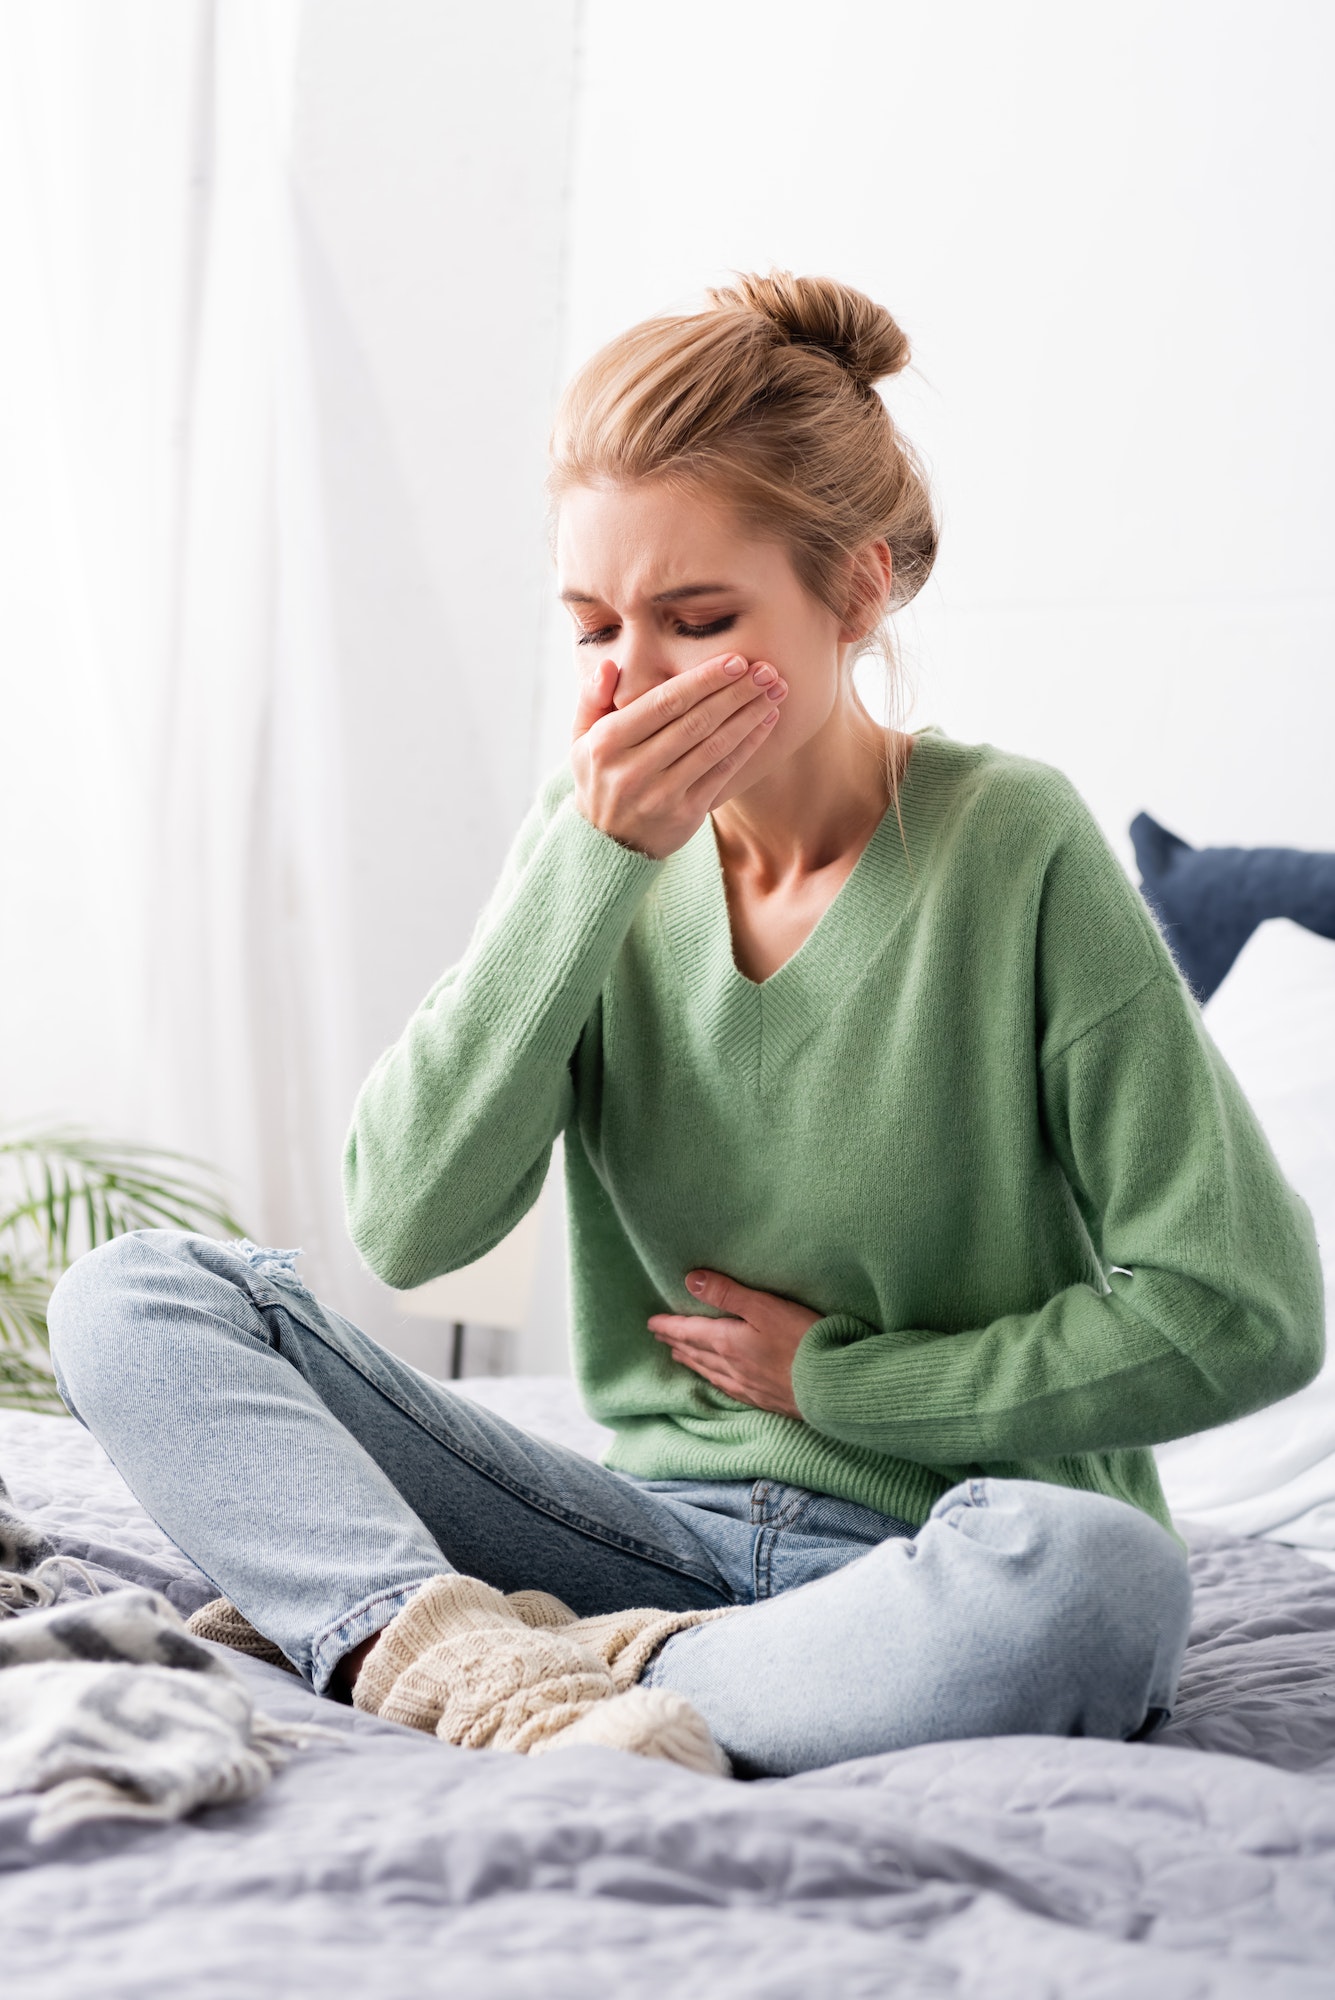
point(749, 1354)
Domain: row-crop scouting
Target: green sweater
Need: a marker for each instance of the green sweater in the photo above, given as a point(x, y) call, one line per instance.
point(976, 1122)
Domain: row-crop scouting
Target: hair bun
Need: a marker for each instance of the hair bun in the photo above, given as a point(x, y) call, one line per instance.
point(819, 312)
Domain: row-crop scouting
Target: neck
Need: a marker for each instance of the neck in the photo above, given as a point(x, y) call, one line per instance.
point(819, 806)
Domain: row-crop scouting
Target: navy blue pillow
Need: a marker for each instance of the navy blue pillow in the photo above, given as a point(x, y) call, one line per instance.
point(1209, 900)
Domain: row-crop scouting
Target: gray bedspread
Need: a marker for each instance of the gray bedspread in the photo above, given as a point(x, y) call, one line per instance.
point(1200, 1864)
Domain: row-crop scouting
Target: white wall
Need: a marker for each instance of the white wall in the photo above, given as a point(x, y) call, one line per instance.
point(1108, 235)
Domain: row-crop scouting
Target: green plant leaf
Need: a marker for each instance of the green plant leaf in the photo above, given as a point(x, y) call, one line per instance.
point(113, 1185)
point(24, 1292)
point(64, 1191)
point(26, 1385)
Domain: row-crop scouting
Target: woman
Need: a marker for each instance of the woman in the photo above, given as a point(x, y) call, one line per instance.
point(910, 1201)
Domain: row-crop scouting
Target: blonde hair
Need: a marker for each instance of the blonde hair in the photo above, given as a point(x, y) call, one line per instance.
point(768, 396)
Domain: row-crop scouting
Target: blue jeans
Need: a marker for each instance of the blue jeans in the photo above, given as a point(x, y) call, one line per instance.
point(318, 1481)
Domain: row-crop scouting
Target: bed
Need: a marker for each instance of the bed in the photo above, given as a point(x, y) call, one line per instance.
point(1196, 1866)
point(382, 1862)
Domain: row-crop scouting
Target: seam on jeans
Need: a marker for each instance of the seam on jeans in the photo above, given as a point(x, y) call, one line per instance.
point(771, 1521)
point(595, 1530)
point(767, 1511)
point(784, 1523)
point(762, 1539)
point(792, 1511)
point(762, 1564)
point(398, 1590)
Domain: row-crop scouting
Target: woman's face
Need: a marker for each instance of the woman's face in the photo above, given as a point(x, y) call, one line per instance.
point(660, 579)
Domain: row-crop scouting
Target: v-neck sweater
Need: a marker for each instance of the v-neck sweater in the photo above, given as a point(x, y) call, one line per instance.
point(976, 1122)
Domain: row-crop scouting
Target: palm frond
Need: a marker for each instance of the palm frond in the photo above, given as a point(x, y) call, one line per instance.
point(64, 1191)
point(26, 1385)
point(25, 1289)
point(74, 1189)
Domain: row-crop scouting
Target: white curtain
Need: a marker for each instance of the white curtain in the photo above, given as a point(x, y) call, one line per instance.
point(147, 155)
point(255, 785)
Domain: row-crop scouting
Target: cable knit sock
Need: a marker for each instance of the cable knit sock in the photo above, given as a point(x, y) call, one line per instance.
point(523, 1673)
point(220, 1621)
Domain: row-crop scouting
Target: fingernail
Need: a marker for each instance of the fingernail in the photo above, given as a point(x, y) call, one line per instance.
point(695, 1285)
point(763, 676)
point(778, 691)
point(735, 667)
point(770, 715)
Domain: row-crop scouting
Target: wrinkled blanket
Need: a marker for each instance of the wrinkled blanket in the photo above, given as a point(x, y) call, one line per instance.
point(1197, 1866)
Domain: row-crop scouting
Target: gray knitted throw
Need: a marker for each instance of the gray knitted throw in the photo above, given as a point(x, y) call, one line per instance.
point(109, 1709)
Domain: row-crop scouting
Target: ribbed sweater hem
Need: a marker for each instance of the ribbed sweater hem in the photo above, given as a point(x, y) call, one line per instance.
point(776, 1448)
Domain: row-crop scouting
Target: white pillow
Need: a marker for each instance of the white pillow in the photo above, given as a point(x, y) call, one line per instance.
point(1273, 1019)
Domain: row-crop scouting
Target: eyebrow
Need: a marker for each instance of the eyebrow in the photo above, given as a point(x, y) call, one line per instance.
point(677, 596)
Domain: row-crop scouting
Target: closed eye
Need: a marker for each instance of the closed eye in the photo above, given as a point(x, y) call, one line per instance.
point(710, 631)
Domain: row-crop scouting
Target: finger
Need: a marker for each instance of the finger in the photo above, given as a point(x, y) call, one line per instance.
point(696, 728)
point(595, 698)
point(726, 681)
point(692, 1355)
point(728, 746)
point(701, 1353)
point(697, 1331)
point(701, 795)
point(715, 1288)
point(720, 1378)
point(702, 1359)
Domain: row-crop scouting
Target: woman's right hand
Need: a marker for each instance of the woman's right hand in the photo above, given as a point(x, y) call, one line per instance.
point(647, 774)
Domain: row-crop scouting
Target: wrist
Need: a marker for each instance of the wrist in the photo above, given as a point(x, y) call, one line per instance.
point(612, 833)
point(651, 844)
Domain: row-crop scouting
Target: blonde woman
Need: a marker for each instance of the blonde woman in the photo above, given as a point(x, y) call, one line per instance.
point(910, 1202)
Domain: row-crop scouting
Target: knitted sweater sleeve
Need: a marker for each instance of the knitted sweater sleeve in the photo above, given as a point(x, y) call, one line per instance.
point(1211, 1304)
point(453, 1129)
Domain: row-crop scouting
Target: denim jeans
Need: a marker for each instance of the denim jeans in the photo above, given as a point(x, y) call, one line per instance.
point(319, 1481)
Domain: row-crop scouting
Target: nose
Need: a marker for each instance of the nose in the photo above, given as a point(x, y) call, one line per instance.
point(644, 660)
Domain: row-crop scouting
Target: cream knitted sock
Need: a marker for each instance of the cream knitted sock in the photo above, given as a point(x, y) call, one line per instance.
point(220, 1621)
point(523, 1673)
point(651, 1722)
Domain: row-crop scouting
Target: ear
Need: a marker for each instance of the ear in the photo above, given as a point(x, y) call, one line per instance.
point(870, 578)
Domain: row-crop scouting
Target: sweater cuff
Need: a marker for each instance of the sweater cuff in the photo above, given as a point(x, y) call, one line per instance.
point(610, 869)
point(829, 1336)
point(545, 954)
